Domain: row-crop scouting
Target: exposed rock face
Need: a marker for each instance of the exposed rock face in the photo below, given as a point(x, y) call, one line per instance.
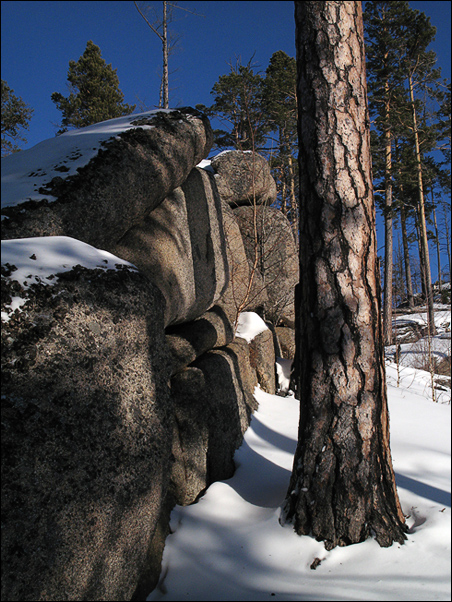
point(180, 246)
point(125, 392)
point(87, 435)
point(244, 178)
point(286, 338)
point(213, 402)
point(229, 385)
point(278, 258)
point(190, 340)
point(239, 294)
point(127, 178)
point(262, 359)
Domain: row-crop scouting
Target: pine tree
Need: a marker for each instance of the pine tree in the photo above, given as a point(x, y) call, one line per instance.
point(384, 83)
point(94, 92)
point(238, 102)
point(403, 82)
point(15, 115)
point(280, 105)
point(342, 486)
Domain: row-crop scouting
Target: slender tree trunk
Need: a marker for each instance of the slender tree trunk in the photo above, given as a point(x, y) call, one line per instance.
point(387, 292)
point(342, 486)
point(425, 258)
point(438, 249)
point(447, 239)
point(165, 76)
point(406, 255)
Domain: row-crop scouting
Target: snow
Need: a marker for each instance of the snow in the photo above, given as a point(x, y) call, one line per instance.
point(414, 354)
point(60, 157)
point(40, 259)
point(283, 370)
point(231, 546)
point(206, 164)
point(249, 325)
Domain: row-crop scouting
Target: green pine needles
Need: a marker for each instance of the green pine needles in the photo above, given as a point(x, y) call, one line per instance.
point(94, 92)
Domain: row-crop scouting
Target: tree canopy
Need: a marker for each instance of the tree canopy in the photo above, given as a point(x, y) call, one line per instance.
point(94, 92)
point(15, 116)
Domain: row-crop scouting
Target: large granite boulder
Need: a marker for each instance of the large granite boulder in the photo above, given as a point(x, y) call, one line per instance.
point(86, 432)
point(243, 178)
point(262, 359)
point(180, 245)
point(286, 340)
point(278, 258)
point(213, 402)
point(246, 290)
point(95, 183)
point(188, 341)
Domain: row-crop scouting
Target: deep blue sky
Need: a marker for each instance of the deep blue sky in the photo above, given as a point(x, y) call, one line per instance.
point(39, 39)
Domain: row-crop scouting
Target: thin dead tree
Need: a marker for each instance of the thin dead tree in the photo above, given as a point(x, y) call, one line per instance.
point(160, 28)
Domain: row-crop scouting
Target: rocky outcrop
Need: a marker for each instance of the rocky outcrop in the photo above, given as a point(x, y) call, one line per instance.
point(286, 339)
point(278, 258)
point(129, 175)
point(213, 402)
point(180, 246)
point(243, 178)
point(262, 359)
point(86, 445)
point(189, 341)
point(125, 390)
point(245, 290)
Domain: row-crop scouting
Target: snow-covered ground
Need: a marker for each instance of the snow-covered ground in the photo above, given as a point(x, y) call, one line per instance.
point(415, 354)
point(230, 545)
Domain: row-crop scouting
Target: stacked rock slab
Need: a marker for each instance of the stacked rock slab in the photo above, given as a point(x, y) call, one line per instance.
point(180, 246)
point(125, 391)
point(86, 439)
point(245, 184)
point(130, 175)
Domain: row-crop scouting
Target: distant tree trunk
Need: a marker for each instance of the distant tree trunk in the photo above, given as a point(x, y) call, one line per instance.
point(425, 257)
point(438, 249)
point(342, 486)
point(406, 255)
point(387, 293)
point(165, 76)
point(447, 240)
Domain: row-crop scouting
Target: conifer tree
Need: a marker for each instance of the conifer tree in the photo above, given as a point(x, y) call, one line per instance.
point(238, 102)
point(94, 92)
point(280, 105)
point(384, 81)
point(342, 487)
point(403, 81)
point(15, 115)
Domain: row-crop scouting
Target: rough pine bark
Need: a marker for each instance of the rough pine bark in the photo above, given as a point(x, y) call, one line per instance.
point(342, 487)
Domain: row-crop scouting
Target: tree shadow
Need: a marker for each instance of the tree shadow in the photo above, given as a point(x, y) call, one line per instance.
point(422, 489)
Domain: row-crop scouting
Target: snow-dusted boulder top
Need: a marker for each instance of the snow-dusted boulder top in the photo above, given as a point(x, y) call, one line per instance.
point(95, 183)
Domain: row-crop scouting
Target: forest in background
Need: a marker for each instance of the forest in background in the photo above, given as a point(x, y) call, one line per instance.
point(252, 109)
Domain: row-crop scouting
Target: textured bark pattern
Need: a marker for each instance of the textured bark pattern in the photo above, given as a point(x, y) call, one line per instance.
point(342, 484)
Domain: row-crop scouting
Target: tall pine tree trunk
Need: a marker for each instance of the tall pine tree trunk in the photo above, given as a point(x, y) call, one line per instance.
point(406, 256)
point(342, 485)
point(438, 248)
point(387, 293)
point(424, 254)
